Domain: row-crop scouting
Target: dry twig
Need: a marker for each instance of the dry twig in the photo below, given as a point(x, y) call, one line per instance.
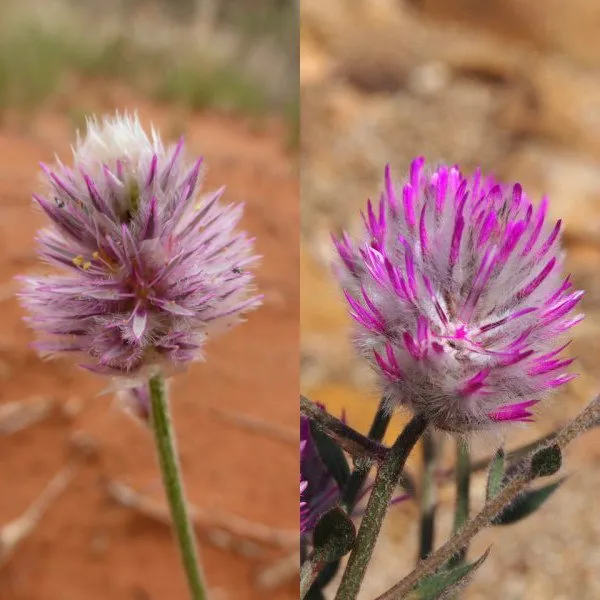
point(280, 572)
point(18, 415)
point(13, 533)
point(259, 426)
point(235, 526)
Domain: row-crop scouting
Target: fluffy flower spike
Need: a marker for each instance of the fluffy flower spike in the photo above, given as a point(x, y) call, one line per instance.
point(458, 297)
point(148, 269)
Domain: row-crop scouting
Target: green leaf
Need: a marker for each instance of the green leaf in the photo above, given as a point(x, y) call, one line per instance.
point(332, 455)
point(496, 475)
point(526, 504)
point(546, 462)
point(445, 583)
point(334, 535)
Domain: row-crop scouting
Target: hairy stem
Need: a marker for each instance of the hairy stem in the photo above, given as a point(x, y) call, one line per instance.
point(173, 485)
point(587, 419)
point(512, 456)
point(463, 484)
point(386, 481)
point(311, 567)
point(365, 450)
point(359, 476)
point(428, 496)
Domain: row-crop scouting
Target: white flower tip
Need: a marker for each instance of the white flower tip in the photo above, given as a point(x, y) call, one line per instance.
point(114, 136)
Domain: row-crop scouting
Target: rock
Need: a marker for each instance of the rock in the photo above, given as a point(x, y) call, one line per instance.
point(565, 105)
point(570, 28)
point(570, 179)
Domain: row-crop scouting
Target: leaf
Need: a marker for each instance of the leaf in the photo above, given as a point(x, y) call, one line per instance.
point(496, 475)
point(546, 461)
point(334, 535)
point(332, 456)
point(526, 504)
point(445, 583)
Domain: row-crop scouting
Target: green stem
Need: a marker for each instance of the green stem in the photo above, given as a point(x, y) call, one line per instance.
point(385, 482)
point(359, 476)
point(428, 496)
point(173, 484)
point(585, 421)
point(311, 567)
point(463, 480)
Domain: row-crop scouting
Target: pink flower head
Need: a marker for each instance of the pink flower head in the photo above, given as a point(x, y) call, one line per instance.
point(459, 299)
point(146, 268)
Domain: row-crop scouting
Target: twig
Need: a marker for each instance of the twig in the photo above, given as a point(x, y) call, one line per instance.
point(280, 572)
point(514, 455)
point(353, 442)
point(259, 426)
point(12, 534)
point(18, 415)
point(232, 524)
point(587, 419)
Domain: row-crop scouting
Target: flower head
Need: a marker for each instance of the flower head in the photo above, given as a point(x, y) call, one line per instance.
point(458, 297)
point(319, 491)
point(147, 268)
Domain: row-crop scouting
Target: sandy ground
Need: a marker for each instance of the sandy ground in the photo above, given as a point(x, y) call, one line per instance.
point(87, 545)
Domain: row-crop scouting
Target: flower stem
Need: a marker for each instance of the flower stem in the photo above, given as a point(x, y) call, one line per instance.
point(587, 419)
point(359, 476)
point(311, 567)
point(385, 482)
point(463, 480)
point(428, 495)
point(173, 484)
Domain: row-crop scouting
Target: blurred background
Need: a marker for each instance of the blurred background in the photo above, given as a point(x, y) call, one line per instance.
point(513, 87)
point(81, 510)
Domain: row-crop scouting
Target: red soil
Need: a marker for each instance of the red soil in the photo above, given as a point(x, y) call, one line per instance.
point(87, 546)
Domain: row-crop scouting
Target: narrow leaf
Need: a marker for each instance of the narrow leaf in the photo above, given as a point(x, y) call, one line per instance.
point(443, 584)
point(547, 461)
point(526, 504)
point(332, 455)
point(496, 475)
point(334, 535)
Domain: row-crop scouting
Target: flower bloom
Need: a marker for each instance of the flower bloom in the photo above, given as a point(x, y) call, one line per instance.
point(458, 297)
point(147, 268)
